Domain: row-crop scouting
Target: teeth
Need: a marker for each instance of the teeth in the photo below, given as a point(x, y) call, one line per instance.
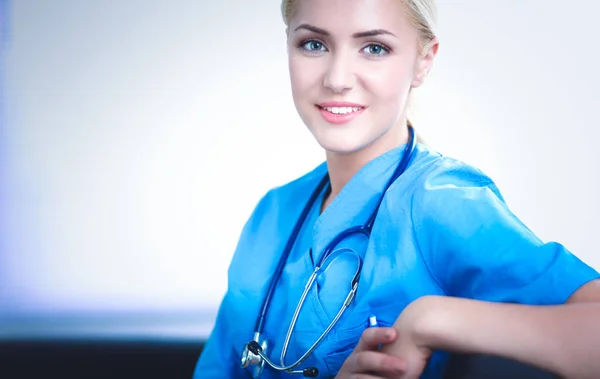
point(342, 110)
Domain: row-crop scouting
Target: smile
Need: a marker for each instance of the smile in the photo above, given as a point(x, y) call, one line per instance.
point(340, 113)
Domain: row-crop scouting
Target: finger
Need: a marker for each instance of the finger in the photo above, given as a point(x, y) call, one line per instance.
point(373, 337)
point(374, 362)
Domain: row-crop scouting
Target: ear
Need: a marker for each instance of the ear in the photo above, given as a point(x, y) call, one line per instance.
point(425, 62)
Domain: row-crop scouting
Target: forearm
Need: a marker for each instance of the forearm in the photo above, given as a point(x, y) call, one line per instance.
point(562, 339)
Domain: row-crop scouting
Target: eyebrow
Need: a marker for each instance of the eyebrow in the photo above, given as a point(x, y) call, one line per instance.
point(368, 33)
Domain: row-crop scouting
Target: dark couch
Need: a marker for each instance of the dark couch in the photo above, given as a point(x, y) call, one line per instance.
point(76, 359)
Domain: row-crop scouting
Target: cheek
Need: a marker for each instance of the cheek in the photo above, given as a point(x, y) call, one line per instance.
point(390, 83)
point(303, 76)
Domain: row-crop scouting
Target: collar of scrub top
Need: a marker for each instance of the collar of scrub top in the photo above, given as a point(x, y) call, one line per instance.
point(254, 346)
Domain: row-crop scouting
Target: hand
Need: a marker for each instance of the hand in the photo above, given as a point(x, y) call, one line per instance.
point(412, 345)
point(367, 362)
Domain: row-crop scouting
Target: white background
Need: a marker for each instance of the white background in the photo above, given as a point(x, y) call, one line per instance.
point(140, 134)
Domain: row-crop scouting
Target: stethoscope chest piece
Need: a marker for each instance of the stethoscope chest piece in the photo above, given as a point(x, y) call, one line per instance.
point(254, 362)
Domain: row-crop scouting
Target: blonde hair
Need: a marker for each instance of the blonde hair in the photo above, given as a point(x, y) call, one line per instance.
point(422, 16)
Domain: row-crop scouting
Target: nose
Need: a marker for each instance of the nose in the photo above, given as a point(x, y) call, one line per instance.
point(339, 76)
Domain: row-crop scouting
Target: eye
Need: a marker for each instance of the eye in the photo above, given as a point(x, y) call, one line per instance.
point(376, 49)
point(312, 46)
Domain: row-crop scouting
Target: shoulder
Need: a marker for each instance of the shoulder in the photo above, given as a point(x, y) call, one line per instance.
point(438, 170)
point(276, 212)
point(306, 182)
point(438, 178)
point(445, 193)
point(285, 198)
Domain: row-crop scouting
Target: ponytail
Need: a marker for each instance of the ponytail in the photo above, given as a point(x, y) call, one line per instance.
point(419, 139)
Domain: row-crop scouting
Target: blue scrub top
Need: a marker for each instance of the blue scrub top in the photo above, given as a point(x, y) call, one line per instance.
point(443, 228)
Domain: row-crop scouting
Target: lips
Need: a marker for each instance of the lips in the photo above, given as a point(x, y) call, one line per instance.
point(337, 112)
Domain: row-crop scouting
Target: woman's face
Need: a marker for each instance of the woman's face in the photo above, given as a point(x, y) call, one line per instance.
point(352, 64)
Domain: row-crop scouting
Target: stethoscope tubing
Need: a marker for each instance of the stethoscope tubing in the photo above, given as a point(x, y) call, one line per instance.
point(254, 346)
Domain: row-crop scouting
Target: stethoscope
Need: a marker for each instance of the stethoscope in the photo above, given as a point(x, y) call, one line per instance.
point(254, 354)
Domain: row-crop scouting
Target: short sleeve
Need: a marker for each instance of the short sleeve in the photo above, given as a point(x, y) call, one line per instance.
point(475, 247)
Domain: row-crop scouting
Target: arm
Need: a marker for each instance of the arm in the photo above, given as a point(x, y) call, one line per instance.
point(505, 287)
point(564, 339)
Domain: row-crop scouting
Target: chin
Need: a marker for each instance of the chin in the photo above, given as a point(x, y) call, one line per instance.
point(341, 150)
point(341, 142)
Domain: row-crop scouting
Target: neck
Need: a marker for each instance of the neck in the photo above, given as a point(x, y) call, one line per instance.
point(343, 166)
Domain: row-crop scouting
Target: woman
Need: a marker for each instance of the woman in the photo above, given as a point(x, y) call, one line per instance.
point(447, 266)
